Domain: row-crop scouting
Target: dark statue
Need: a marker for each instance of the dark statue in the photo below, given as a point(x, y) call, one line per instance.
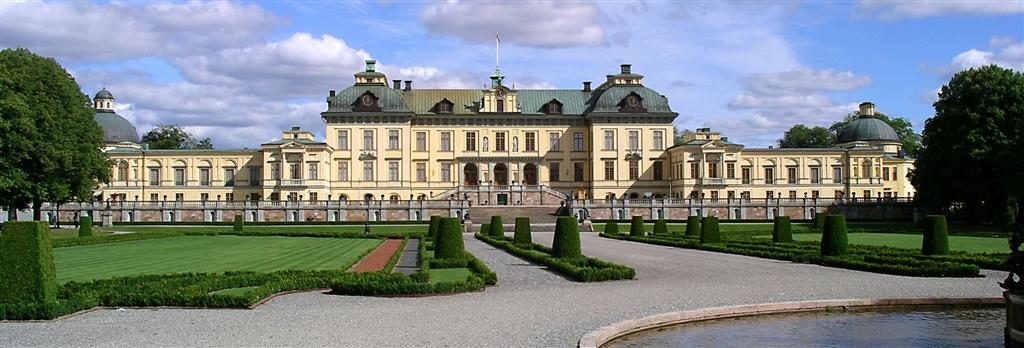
point(1015, 263)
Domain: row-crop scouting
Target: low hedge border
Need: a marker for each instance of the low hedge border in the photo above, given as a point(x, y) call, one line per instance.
point(585, 269)
point(112, 238)
point(857, 259)
point(266, 223)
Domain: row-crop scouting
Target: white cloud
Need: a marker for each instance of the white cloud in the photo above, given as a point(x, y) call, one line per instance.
point(1005, 52)
point(895, 9)
point(80, 31)
point(544, 24)
point(803, 81)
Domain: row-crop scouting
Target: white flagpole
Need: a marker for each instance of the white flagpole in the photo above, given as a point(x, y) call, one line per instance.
point(497, 52)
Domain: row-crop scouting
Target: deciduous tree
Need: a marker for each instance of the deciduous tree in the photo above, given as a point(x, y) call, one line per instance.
point(800, 136)
point(173, 137)
point(910, 139)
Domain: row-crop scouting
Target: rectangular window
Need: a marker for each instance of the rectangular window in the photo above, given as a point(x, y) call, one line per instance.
point(770, 194)
point(313, 171)
point(815, 175)
point(154, 176)
point(792, 194)
point(204, 196)
point(500, 106)
point(470, 141)
point(421, 172)
point(714, 195)
point(577, 171)
point(577, 141)
point(769, 176)
point(393, 171)
point(179, 197)
point(446, 141)
point(204, 176)
point(553, 140)
point(368, 143)
point(343, 139)
point(531, 141)
point(446, 171)
point(393, 143)
point(745, 175)
point(837, 175)
point(230, 197)
point(838, 194)
point(791, 175)
point(658, 170)
point(179, 176)
point(254, 176)
point(313, 197)
point(885, 173)
point(554, 171)
point(731, 194)
point(421, 141)
point(694, 169)
point(343, 171)
point(154, 197)
point(499, 141)
point(634, 140)
point(634, 170)
point(659, 140)
point(815, 194)
point(730, 170)
point(609, 140)
point(713, 169)
point(609, 170)
point(229, 176)
point(368, 171)
point(295, 169)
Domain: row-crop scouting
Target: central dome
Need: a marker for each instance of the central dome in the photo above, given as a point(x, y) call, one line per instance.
point(116, 129)
point(868, 128)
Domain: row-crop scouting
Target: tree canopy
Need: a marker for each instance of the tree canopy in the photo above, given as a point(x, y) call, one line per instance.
point(910, 139)
point(801, 136)
point(173, 137)
point(49, 138)
point(972, 146)
point(679, 135)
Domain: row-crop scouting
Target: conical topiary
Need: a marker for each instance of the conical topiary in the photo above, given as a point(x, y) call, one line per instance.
point(833, 237)
point(497, 229)
point(611, 227)
point(239, 223)
point(567, 238)
point(819, 221)
point(85, 226)
point(936, 236)
point(693, 226)
point(709, 230)
point(782, 230)
point(485, 229)
point(636, 228)
point(435, 222)
point(448, 244)
point(660, 227)
point(522, 233)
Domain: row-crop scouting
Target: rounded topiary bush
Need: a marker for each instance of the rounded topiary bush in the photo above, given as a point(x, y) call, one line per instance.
point(819, 220)
point(693, 226)
point(497, 229)
point(85, 226)
point(936, 236)
point(567, 238)
point(636, 228)
point(709, 230)
point(238, 223)
point(611, 228)
point(485, 229)
point(435, 222)
point(448, 244)
point(782, 231)
point(833, 237)
point(661, 227)
point(522, 233)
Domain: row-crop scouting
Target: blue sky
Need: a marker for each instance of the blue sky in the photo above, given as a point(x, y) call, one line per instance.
point(239, 72)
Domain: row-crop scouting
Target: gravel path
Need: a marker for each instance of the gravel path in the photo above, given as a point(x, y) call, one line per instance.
point(529, 307)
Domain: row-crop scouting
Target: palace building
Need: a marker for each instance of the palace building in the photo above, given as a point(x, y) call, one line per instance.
point(501, 146)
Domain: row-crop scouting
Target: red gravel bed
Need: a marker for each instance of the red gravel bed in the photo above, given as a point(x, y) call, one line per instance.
point(377, 259)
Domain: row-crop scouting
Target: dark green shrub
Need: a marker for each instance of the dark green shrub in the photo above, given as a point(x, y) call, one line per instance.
point(819, 220)
point(782, 231)
point(112, 238)
point(693, 226)
point(522, 234)
point(85, 226)
point(1008, 217)
point(485, 229)
point(709, 230)
point(497, 228)
point(833, 237)
point(239, 223)
point(611, 227)
point(936, 237)
point(567, 238)
point(26, 263)
point(636, 228)
point(661, 227)
point(435, 221)
point(448, 244)
point(582, 269)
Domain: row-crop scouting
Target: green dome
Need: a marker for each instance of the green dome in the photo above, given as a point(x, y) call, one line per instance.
point(116, 129)
point(609, 99)
point(867, 128)
point(104, 94)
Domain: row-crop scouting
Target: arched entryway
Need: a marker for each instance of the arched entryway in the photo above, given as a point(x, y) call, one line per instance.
point(530, 174)
point(470, 175)
point(500, 174)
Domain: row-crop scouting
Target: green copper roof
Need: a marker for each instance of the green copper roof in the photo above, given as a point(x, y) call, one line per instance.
point(867, 128)
point(608, 99)
point(116, 129)
point(532, 102)
point(389, 99)
point(424, 101)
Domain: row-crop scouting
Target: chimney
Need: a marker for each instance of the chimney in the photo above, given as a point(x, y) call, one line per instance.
point(295, 128)
point(397, 84)
point(867, 109)
point(586, 86)
point(370, 63)
point(408, 85)
point(625, 68)
point(332, 93)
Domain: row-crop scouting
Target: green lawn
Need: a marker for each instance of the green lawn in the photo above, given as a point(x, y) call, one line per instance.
point(207, 254)
point(449, 275)
point(274, 228)
point(910, 241)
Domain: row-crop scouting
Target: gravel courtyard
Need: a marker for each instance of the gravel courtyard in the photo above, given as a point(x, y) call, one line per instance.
point(529, 307)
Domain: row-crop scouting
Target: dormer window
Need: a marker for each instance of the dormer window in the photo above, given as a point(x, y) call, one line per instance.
point(553, 108)
point(444, 107)
point(632, 103)
point(366, 102)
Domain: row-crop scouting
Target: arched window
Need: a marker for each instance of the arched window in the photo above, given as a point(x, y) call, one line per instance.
point(553, 108)
point(368, 197)
point(393, 197)
point(122, 171)
point(444, 107)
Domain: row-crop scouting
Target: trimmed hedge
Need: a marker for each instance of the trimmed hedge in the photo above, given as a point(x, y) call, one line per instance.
point(819, 220)
point(709, 232)
point(581, 269)
point(661, 227)
point(26, 263)
point(833, 238)
point(567, 238)
point(497, 228)
point(449, 239)
point(85, 226)
point(636, 227)
point(611, 227)
point(112, 238)
point(782, 230)
point(485, 229)
point(239, 223)
point(522, 233)
point(693, 226)
point(936, 237)
point(435, 221)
